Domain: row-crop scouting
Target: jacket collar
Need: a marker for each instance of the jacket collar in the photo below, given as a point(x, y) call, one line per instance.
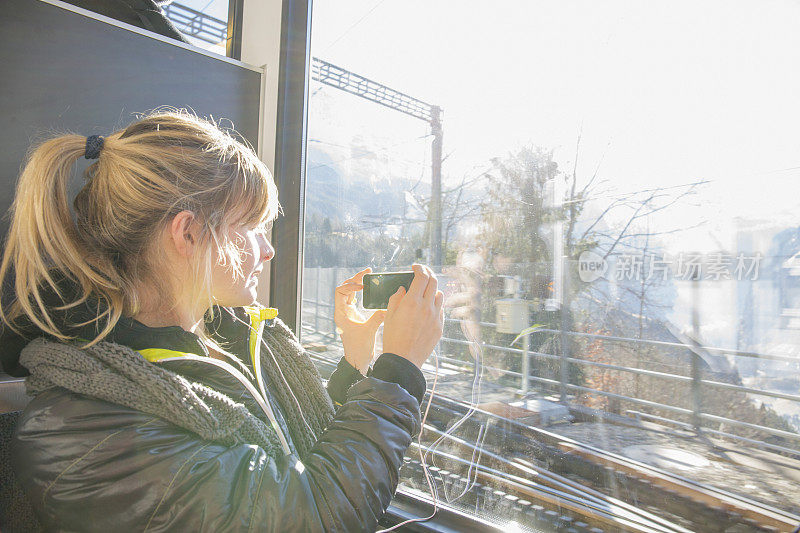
point(132, 333)
point(128, 331)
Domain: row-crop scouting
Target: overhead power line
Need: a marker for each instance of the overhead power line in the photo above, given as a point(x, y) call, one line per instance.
point(350, 82)
point(353, 25)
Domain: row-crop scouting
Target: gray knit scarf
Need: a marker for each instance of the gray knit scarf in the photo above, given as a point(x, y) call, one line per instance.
point(117, 374)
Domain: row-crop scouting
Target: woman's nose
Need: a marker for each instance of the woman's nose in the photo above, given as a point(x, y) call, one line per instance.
point(267, 251)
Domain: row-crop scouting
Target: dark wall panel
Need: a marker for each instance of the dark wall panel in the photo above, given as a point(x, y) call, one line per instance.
point(63, 71)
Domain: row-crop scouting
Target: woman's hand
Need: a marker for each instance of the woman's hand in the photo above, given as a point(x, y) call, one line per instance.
point(415, 320)
point(356, 329)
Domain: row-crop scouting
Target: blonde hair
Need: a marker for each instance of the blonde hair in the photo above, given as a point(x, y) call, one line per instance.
point(162, 164)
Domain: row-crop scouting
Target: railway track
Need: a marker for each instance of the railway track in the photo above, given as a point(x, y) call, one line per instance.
point(545, 481)
point(559, 500)
point(508, 463)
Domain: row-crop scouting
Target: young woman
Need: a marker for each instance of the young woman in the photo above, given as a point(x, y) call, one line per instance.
point(165, 397)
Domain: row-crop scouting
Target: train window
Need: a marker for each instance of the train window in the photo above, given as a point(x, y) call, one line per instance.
point(607, 191)
point(203, 23)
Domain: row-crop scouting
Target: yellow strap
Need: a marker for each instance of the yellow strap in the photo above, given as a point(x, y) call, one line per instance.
point(257, 315)
point(268, 313)
point(155, 355)
point(261, 313)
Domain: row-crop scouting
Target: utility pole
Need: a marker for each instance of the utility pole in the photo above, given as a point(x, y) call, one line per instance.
point(435, 209)
point(213, 30)
point(350, 82)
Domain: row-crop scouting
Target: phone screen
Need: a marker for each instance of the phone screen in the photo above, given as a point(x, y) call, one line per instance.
point(379, 287)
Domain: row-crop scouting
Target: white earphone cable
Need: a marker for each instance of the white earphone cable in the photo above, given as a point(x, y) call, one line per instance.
point(259, 343)
point(476, 388)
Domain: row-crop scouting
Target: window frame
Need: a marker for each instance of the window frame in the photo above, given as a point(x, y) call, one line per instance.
point(288, 234)
point(233, 44)
point(290, 159)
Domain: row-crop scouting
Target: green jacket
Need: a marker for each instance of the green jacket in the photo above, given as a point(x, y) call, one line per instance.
point(90, 465)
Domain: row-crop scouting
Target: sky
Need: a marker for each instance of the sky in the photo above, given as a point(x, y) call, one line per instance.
point(661, 93)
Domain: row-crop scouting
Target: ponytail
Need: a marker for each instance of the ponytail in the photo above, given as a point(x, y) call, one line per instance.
point(43, 239)
point(109, 245)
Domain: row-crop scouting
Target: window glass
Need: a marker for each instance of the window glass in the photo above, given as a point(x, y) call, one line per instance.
point(618, 239)
point(204, 23)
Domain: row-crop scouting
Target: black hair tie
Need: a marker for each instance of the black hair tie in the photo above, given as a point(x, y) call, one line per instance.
point(94, 143)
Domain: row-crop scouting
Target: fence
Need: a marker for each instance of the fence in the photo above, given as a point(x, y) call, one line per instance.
point(320, 320)
point(196, 24)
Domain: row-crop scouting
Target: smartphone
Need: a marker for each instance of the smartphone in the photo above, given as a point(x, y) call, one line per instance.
point(380, 286)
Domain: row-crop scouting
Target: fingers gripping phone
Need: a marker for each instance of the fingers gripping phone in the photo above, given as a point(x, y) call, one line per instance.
point(380, 286)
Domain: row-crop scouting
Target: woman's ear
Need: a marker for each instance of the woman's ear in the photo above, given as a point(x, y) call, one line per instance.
point(183, 232)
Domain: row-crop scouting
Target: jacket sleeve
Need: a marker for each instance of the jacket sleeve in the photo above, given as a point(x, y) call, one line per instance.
point(344, 377)
point(153, 476)
point(388, 367)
